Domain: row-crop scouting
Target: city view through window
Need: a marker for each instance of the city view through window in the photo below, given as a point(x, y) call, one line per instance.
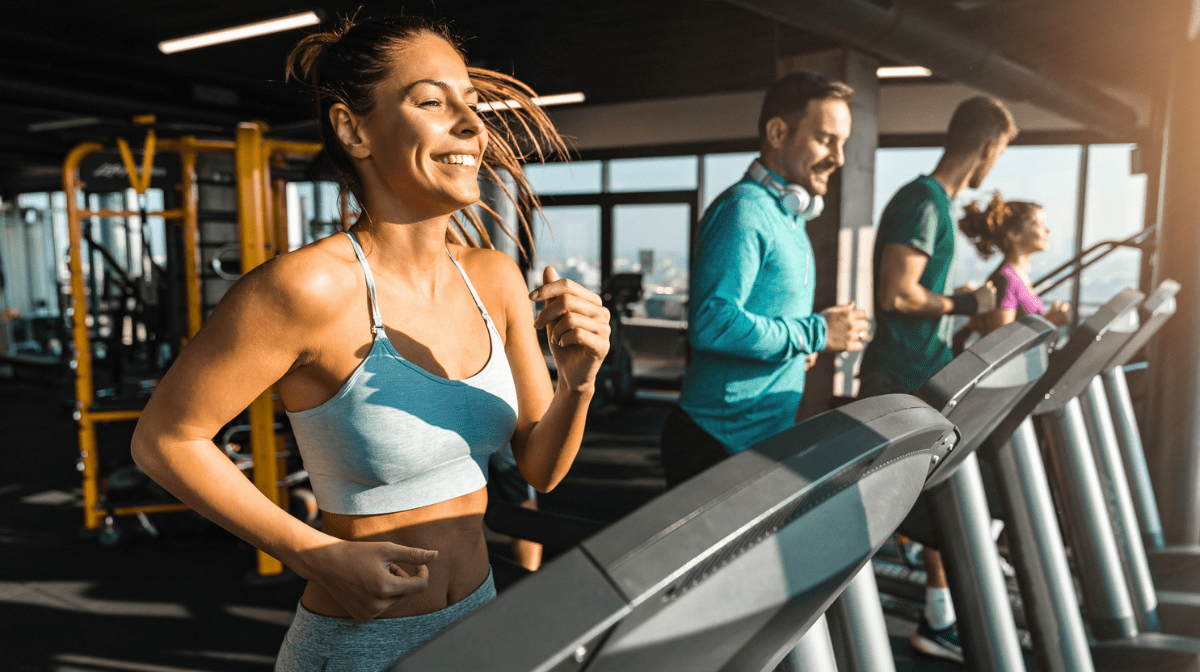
point(653, 238)
point(647, 207)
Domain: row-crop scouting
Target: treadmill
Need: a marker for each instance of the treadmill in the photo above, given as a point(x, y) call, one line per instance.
point(725, 572)
point(1153, 313)
point(1046, 583)
point(975, 392)
point(1164, 581)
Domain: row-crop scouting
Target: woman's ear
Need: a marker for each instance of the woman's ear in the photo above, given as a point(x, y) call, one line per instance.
point(348, 127)
point(1011, 238)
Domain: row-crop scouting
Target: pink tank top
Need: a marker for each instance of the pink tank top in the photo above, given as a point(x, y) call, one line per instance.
point(1014, 294)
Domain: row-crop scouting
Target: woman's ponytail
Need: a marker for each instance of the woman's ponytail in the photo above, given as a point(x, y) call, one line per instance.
point(988, 228)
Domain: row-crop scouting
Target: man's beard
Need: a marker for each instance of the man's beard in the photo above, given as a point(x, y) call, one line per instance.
point(824, 169)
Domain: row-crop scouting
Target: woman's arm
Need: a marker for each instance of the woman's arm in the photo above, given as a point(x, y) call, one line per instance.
point(551, 420)
point(998, 318)
point(1059, 313)
point(260, 331)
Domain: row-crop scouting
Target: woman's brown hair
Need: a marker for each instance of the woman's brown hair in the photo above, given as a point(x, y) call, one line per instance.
point(345, 64)
point(988, 228)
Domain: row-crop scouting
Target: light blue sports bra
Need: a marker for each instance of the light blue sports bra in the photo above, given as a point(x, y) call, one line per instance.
point(397, 437)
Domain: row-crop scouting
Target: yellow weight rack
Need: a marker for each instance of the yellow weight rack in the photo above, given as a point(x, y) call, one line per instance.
point(262, 225)
point(262, 228)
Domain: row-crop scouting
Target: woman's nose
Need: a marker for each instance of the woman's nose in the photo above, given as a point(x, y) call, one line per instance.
point(469, 125)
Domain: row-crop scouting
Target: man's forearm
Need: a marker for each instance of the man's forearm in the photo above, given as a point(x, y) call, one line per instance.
point(922, 302)
point(730, 331)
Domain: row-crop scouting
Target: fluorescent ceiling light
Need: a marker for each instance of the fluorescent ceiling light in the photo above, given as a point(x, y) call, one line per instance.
point(62, 124)
point(540, 101)
point(894, 71)
point(239, 32)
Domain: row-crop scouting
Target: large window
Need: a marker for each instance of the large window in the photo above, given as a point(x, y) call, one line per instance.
point(722, 170)
point(668, 173)
point(621, 215)
point(1114, 208)
point(579, 177)
point(1049, 175)
point(653, 240)
point(570, 243)
point(642, 212)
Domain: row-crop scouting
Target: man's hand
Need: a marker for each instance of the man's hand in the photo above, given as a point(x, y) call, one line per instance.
point(810, 360)
point(846, 328)
point(986, 298)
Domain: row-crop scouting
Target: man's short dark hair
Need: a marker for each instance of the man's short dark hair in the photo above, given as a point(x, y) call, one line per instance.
point(788, 97)
point(978, 121)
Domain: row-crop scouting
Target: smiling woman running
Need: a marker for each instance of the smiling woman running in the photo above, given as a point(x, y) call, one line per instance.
point(404, 356)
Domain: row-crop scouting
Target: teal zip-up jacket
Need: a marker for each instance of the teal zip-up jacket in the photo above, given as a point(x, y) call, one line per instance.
point(750, 319)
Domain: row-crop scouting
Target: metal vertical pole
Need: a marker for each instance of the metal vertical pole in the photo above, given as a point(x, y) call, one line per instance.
point(857, 628)
point(1059, 641)
point(191, 235)
point(1110, 611)
point(250, 170)
point(1081, 203)
point(1130, 441)
point(814, 653)
point(963, 523)
point(1116, 489)
point(81, 358)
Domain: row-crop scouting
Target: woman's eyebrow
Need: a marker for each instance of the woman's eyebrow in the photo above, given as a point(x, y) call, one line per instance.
point(439, 84)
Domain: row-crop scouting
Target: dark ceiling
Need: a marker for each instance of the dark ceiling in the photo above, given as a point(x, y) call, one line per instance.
point(63, 60)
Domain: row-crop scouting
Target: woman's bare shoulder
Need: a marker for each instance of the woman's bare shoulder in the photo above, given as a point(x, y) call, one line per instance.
point(498, 280)
point(310, 284)
point(492, 266)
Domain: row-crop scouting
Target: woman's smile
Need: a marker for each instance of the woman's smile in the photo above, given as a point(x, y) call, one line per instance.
point(467, 160)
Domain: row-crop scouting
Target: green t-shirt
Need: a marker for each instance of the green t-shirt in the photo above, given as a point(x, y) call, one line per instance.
point(912, 348)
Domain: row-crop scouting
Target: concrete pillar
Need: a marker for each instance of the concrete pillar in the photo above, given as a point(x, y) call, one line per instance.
point(1173, 453)
point(492, 194)
point(844, 235)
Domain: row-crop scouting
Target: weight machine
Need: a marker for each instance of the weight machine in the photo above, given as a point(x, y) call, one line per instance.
point(262, 227)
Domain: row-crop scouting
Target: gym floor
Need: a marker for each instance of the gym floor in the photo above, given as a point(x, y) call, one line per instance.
point(188, 600)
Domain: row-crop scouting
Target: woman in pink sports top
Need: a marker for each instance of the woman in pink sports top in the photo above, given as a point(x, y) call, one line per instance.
point(1018, 230)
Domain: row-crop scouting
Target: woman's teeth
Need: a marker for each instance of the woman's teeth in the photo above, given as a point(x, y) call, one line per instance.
point(458, 160)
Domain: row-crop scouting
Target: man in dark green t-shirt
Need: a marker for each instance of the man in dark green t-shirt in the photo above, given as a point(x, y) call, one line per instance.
point(914, 256)
point(914, 276)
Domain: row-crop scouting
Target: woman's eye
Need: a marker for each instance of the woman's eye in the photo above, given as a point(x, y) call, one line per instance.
point(430, 103)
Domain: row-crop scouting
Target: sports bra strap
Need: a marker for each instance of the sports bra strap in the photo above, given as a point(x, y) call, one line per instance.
point(376, 319)
point(474, 295)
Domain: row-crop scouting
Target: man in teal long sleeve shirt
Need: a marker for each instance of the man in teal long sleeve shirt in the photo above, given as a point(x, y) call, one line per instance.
point(750, 322)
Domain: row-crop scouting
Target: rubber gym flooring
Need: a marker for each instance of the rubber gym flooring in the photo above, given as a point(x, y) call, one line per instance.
point(187, 600)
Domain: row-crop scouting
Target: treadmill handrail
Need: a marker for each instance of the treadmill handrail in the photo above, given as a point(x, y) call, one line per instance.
point(1138, 240)
point(570, 609)
point(1153, 313)
point(1062, 361)
point(1030, 337)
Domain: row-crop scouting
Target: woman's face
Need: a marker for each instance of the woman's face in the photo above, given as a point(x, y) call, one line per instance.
point(1034, 236)
point(426, 141)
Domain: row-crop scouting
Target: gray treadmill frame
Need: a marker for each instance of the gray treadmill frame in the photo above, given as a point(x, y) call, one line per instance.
point(671, 545)
point(1045, 579)
point(1013, 357)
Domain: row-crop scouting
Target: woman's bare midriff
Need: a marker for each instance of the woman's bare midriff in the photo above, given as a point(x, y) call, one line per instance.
point(453, 528)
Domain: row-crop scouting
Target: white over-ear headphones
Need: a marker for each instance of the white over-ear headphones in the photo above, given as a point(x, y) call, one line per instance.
point(794, 198)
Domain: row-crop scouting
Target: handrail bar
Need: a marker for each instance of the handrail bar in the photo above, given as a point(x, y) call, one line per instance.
point(1137, 240)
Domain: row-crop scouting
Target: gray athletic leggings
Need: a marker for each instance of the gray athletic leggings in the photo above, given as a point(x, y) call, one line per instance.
point(317, 643)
